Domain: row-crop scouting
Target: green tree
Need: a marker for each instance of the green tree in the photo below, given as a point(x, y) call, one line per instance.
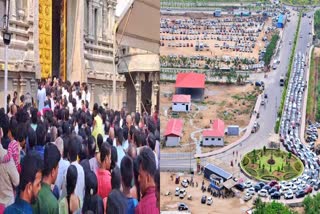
point(264, 150)
point(259, 164)
point(312, 204)
point(289, 155)
point(263, 166)
point(282, 166)
point(270, 169)
point(273, 207)
point(278, 168)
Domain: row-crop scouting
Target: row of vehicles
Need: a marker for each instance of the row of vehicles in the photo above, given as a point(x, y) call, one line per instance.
point(296, 188)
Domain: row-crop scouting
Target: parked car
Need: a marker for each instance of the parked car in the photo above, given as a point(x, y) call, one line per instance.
point(182, 193)
point(184, 183)
point(203, 199)
point(248, 184)
point(272, 183)
point(288, 195)
point(182, 206)
point(240, 186)
point(209, 201)
point(272, 190)
point(168, 193)
point(257, 187)
point(251, 191)
point(247, 197)
point(300, 194)
point(177, 191)
point(308, 190)
point(275, 195)
point(263, 193)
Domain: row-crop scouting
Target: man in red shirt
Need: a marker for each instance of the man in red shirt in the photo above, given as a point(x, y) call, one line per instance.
point(147, 171)
point(103, 173)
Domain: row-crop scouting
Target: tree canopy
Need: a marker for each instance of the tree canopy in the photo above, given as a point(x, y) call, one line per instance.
point(312, 204)
point(272, 208)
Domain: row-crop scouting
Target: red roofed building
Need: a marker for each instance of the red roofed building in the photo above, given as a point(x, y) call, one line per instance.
point(173, 132)
point(192, 84)
point(181, 103)
point(215, 135)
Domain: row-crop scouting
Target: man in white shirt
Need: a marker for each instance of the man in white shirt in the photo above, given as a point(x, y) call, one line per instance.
point(63, 165)
point(41, 97)
point(73, 154)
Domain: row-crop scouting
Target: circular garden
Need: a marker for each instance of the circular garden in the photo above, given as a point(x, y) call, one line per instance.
point(271, 164)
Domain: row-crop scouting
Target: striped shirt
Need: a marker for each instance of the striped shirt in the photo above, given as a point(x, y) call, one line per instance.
point(13, 151)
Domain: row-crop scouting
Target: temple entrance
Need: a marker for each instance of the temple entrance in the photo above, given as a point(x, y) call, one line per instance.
point(52, 38)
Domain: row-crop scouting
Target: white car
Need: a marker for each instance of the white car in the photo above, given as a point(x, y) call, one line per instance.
point(182, 193)
point(247, 184)
point(247, 197)
point(184, 183)
point(263, 193)
point(177, 191)
point(288, 195)
point(209, 201)
point(251, 191)
point(284, 190)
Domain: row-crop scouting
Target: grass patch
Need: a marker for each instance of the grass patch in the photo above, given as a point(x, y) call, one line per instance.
point(301, 2)
point(311, 88)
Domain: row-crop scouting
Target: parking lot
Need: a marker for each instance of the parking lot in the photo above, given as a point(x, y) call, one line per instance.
point(223, 39)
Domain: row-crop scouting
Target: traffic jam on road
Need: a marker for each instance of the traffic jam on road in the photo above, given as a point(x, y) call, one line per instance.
point(290, 138)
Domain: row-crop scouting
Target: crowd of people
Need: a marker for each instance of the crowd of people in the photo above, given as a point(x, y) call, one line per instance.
point(59, 156)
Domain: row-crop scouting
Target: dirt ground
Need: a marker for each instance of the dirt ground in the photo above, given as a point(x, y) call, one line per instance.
point(223, 102)
point(213, 51)
point(219, 206)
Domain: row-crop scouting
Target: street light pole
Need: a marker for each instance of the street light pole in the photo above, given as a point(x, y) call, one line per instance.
point(6, 39)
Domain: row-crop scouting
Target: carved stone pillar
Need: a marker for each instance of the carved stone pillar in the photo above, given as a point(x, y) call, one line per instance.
point(109, 91)
point(138, 92)
point(33, 86)
point(92, 95)
point(13, 9)
point(31, 9)
point(21, 10)
point(109, 21)
point(99, 22)
point(23, 84)
point(15, 85)
point(90, 22)
point(105, 22)
point(154, 96)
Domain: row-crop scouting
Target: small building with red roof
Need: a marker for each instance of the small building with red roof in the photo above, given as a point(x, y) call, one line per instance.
point(215, 135)
point(181, 103)
point(173, 132)
point(192, 84)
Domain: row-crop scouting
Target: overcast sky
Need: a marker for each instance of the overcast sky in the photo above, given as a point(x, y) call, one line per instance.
point(120, 6)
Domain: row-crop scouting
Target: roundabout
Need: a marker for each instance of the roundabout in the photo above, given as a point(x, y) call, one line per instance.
point(271, 164)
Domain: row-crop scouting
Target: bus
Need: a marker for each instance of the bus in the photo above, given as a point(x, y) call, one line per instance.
point(281, 80)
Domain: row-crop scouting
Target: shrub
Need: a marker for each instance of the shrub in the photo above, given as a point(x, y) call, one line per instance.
point(245, 161)
point(289, 175)
point(297, 166)
point(251, 171)
point(269, 177)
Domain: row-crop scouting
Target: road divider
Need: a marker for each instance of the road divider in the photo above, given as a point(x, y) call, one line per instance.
point(284, 92)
